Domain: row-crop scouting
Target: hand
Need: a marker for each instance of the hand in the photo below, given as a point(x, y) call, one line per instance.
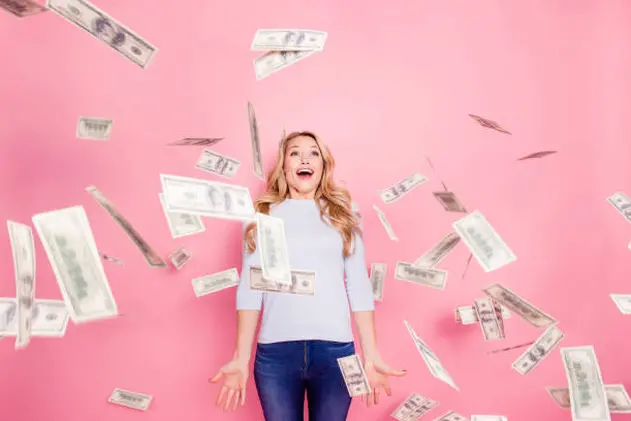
point(377, 373)
point(236, 376)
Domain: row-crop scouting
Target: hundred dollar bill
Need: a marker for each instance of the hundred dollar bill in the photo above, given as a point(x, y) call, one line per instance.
point(449, 201)
point(536, 155)
point(489, 313)
point(539, 350)
point(275, 61)
point(288, 40)
point(50, 318)
point(588, 401)
point(23, 248)
point(385, 223)
point(466, 314)
point(302, 282)
point(437, 253)
point(519, 306)
point(69, 244)
point(196, 141)
point(485, 244)
point(490, 124)
point(431, 360)
point(434, 278)
point(618, 399)
point(488, 418)
point(510, 348)
point(217, 164)
point(182, 224)
point(622, 204)
point(21, 8)
point(401, 188)
point(623, 302)
point(451, 416)
point(195, 196)
point(218, 281)
point(105, 28)
point(129, 399)
point(272, 246)
point(94, 128)
point(354, 375)
point(257, 158)
point(179, 257)
point(377, 279)
point(413, 408)
point(152, 258)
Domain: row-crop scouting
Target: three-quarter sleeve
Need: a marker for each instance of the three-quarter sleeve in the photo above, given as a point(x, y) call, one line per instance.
point(358, 284)
point(247, 299)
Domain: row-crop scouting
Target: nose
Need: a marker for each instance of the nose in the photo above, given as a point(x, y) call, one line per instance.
point(304, 158)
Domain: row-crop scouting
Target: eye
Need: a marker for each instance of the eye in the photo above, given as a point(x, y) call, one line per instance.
point(315, 153)
point(293, 153)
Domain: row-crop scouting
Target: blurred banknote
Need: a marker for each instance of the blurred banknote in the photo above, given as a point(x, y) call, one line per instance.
point(489, 124)
point(49, 318)
point(69, 244)
point(275, 61)
point(467, 316)
point(519, 306)
point(434, 278)
point(539, 350)
point(401, 188)
point(179, 257)
point(302, 282)
point(618, 399)
point(21, 8)
point(218, 281)
point(288, 40)
point(588, 401)
point(217, 164)
point(623, 302)
point(354, 375)
point(449, 201)
point(622, 204)
point(488, 418)
point(94, 128)
point(536, 155)
point(272, 246)
point(413, 408)
point(182, 224)
point(195, 196)
point(255, 141)
point(103, 27)
point(451, 416)
point(130, 399)
point(485, 244)
point(196, 141)
point(377, 279)
point(437, 253)
point(153, 259)
point(385, 223)
point(489, 314)
point(23, 248)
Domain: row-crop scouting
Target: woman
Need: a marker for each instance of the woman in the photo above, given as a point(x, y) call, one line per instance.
point(302, 336)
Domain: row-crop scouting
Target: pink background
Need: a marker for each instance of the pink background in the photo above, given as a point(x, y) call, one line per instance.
point(394, 83)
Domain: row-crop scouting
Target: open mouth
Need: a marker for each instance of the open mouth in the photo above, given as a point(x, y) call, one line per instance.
point(304, 173)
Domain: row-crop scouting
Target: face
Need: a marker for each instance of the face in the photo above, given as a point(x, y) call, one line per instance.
point(303, 166)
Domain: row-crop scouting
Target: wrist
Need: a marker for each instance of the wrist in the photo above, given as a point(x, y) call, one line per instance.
point(371, 355)
point(241, 357)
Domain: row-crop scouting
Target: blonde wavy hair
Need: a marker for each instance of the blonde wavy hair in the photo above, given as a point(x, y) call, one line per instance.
point(332, 199)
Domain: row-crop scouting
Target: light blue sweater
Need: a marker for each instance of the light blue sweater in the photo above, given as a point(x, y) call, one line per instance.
point(312, 245)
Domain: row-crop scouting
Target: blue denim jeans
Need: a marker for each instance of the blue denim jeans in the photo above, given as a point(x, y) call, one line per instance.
point(284, 371)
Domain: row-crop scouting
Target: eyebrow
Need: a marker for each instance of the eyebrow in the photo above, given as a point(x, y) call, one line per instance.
point(296, 146)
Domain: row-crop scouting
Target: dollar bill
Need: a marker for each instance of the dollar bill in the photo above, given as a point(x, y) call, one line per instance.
point(257, 157)
point(288, 40)
point(23, 250)
point(218, 281)
point(21, 8)
point(385, 223)
point(485, 244)
point(401, 188)
point(377, 279)
point(179, 257)
point(490, 124)
point(130, 399)
point(618, 399)
point(196, 141)
point(588, 401)
point(451, 416)
point(195, 196)
point(302, 282)
point(489, 314)
point(623, 302)
point(467, 316)
point(536, 155)
point(413, 407)
point(49, 318)
point(431, 359)
point(94, 128)
point(466, 267)
point(70, 247)
point(150, 255)
point(110, 259)
point(519, 306)
point(437, 253)
point(275, 61)
point(272, 247)
point(434, 278)
point(622, 204)
point(105, 28)
point(218, 164)
point(182, 224)
point(450, 201)
point(510, 348)
point(488, 418)
point(542, 347)
point(354, 375)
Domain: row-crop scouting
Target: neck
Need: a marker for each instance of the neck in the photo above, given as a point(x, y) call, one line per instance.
point(293, 194)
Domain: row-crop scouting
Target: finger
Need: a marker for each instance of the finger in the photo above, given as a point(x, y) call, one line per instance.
point(369, 399)
point(398, 373)
point(216, 378)
point(228, 399)
point(376, 396)
point(222, 393)
point(243, 396)
point(386, 387)
point(237, 398)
